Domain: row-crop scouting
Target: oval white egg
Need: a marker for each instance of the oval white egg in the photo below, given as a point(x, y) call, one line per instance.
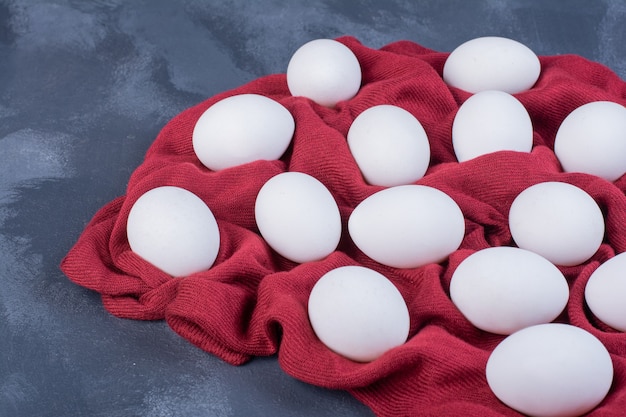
point(492, 63)
point(389, 145)
point(491, 121)
point(550, 370)
point(298, 217)
point(325, 71)
point(505, 289)
point(174, 230)
point(559, 221)
point(407, 226)
point(358, 313)
point(605, 292)
point(242, 129)
point(592, 139)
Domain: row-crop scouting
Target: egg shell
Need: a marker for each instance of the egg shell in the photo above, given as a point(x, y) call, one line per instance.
point(605, 292)
point(325, 71)
point(389, 145)
point(592, 139)
point(298, 217)
point(557, 220)
point(174, 230)
point(407, 226)
point(242, 129)
point(358, 313)
point(492, 63)
point(491, 121)
point(550, 370)
point(505, 289)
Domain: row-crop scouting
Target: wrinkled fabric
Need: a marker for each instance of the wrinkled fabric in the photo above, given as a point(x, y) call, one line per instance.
point(253, 302)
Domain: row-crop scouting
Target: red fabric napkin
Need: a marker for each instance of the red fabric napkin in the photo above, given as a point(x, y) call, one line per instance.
point(252, 302)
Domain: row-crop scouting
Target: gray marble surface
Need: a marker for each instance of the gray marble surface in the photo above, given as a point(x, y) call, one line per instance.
point(85, 86)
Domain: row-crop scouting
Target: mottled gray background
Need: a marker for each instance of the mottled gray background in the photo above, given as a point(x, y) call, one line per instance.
point(85, 86)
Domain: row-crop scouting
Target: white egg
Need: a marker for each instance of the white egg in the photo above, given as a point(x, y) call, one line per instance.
point(358, 313)
point(325, 71)
point(504, 289)
point(242, 129)
point(559, 221)
point(492, 63)
point(491, 121)
point(605, 292)
point(174, 230)
point(550, 370)
point(298, 217)
point(389, 145)
point(407, 226)
point(592, 139)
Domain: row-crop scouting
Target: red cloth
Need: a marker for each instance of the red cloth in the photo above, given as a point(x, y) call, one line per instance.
point(252, 302)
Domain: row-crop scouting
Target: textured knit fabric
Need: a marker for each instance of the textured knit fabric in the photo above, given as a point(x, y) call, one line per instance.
point(253, 302)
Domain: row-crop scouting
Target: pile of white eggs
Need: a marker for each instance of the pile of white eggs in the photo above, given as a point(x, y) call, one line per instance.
point(541, 368)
